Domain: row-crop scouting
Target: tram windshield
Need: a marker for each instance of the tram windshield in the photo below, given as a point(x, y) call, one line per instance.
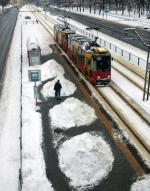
point(103, 63)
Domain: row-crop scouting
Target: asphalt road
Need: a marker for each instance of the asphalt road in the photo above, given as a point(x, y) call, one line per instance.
point(113, 29)
point(7, 24)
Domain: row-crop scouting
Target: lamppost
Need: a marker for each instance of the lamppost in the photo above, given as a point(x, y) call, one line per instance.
point(147, 72)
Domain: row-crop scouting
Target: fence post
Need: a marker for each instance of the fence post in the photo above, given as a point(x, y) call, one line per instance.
point(138, 61)
point(129, 56)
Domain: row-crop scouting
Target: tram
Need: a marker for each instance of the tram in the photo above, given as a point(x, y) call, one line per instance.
point(88, 56)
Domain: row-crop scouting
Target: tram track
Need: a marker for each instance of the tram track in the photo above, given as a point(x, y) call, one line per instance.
point(129, 74)
point(101, 95)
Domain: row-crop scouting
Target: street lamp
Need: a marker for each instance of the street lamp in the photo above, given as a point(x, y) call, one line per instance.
point(147, 72)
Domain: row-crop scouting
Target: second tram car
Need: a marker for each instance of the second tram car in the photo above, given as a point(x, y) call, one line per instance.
point(91, 59)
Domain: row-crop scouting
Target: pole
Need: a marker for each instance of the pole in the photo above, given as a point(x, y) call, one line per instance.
point(20, 138)
point(35, 93)
point(103, 8)
point(147, 76)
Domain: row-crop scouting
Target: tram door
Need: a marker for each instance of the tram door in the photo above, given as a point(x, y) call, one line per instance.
point(74, 51)
point(88, 64)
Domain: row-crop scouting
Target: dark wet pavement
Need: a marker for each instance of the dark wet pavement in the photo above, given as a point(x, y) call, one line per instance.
point(122, 174)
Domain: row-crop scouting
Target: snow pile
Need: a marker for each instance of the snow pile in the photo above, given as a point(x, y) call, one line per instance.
point(51, 69)
point(32, 43)
point(142, 185)
point(72, 112)
point(46, 50)
point(85, 160)
point(68, 87)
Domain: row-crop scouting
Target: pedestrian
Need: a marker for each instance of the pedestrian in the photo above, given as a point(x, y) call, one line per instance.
point(57, 88)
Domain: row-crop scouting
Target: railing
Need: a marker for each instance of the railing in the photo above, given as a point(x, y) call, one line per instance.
point(127, 55)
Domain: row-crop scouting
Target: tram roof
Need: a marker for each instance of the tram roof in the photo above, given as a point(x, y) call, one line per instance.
point(68, 30)
point(98, 50)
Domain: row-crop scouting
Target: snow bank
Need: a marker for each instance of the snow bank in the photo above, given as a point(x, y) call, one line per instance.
point(68, 87)
point(51, 69)
point(72, 112)
point(46, 51)
point(85, 160)
point(142, 185)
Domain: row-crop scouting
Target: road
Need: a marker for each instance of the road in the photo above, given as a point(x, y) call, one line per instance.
point(7, 24)
point(110, 28)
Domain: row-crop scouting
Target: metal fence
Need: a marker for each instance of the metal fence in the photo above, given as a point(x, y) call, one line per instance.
point(127, 55)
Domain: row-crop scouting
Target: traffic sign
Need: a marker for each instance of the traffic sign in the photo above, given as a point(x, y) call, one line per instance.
point(34, 75)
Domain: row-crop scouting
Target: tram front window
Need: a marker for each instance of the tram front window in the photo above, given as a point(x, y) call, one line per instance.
point(103, 63)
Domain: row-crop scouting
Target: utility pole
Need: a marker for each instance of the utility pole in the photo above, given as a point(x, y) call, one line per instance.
point(147, 76)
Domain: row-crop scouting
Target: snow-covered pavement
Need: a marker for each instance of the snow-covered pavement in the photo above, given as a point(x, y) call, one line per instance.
point(10, 118)
point(94, 158)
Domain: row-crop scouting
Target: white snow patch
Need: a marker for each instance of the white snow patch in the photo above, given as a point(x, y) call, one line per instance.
point(51, 69)
point(142, 185)
point(85, 160)
point(46, 51)
point(72, 112)
point(68, 87)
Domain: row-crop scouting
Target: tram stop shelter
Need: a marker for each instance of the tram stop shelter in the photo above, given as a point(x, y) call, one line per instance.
point(34, 51)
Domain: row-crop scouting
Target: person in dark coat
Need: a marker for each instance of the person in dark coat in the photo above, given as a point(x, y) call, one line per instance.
point(57, 88)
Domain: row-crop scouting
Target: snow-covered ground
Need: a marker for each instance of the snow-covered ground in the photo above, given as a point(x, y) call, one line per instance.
point(86, 160)
point(132, 20)
point(34, 176)
point(143, 184)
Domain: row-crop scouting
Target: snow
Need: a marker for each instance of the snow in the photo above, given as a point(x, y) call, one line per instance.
point(10, 120)
point(34, 175)
point(142, 185)
point(32, 43)
point(68, 88)
point(85, 160)
point(123, 19)
point(51, 69)
point(71, 113)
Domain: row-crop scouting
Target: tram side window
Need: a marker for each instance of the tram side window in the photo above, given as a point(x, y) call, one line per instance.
point(80, 54)
point(69, 43)
point(88, 62)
